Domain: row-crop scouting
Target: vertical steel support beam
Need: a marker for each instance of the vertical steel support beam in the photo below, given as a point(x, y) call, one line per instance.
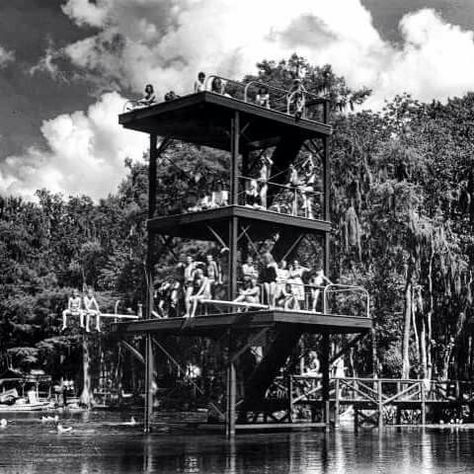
point(380, 403)
point(234, 191)
point(234, 158)
point(233, 236)
point(151, 213)
point(231, 400)
point(149, 277)
point(337, 419)
point(325, 373)
point(326, 201)
point(148, 383)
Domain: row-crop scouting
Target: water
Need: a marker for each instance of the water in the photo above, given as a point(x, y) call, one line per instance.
point(100, 444)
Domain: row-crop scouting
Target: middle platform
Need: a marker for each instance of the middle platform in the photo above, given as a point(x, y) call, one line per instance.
point(197, 225)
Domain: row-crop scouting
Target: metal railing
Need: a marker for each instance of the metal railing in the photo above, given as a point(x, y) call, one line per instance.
point(285, 198)
point(279, 100)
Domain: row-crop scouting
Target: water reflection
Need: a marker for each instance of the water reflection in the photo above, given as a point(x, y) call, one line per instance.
point(104, 444)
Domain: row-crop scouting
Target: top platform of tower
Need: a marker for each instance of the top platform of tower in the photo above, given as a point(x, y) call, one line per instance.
point(204, 118)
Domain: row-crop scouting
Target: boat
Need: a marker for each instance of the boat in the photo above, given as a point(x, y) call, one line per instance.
point(23, 406)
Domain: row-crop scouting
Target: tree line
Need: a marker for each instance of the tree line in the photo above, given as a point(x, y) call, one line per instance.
point(402, 205)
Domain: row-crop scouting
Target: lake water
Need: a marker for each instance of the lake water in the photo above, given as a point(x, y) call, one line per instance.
point(99, 443)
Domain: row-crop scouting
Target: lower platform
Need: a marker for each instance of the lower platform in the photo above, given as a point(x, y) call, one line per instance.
point(309, 322)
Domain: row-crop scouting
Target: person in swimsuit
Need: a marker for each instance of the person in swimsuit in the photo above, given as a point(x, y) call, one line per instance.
point(73, 309)
point(91, 308)
point(264, 176)
point(200, 290)
point(250, 293)
point(296, 273)
point(199, 84)
point(248, 269)
point(294, 184)
point(308, 188)
point(282, 278)
point(252, 196)
point(149, 98)
point(268, 277)
point(296, 97)
point(212, 273)
point(263, 98)
point(189, 270)
point(317, 283)
point(287, 298)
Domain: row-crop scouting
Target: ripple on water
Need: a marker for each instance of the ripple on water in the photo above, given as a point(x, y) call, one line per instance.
point(108, 443)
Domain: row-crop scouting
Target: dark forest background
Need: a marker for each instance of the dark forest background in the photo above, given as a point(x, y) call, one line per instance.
point(402, 206)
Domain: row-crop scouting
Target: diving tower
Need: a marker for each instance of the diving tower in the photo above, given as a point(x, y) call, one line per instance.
point(245, 130)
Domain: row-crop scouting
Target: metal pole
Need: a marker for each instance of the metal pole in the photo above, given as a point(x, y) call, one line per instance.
point(234, 158)
point(325, 372)
point(148, 383)
point(337, 405)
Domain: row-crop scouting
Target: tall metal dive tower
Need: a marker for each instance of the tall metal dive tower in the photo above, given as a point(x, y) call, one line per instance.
point(245, 130)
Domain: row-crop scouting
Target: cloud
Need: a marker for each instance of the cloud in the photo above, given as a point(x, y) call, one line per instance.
point(5, 57)
point(85, 155)
point(166, 42)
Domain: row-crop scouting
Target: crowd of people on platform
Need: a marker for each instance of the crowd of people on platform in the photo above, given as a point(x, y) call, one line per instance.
point(296, 196)
point(264, 285)
point(295, 96)
point(85, 308)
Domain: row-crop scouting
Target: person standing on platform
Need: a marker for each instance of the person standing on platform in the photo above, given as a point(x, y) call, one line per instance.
point(317, 283)
point(263, 98)
point(74, 308)
point(189, 269)
point(199, 84)
point(212, 273)
point(252, 196)
point(249, 270)
point(268, 277)
point(282, 278)
point(308, 188)
point(294, 184)
point(264, 177)
point(296, 272)
point(91, 308)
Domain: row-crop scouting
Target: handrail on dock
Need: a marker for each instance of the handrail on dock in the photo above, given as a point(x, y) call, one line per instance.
point(342, 288)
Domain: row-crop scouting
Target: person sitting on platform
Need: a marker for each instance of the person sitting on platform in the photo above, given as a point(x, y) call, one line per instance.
point(250, 293)
point(91, 308)
point(252, 196)
point(287, 298)
point(73, 309)
point(220, 197)
point(200, 291)
point(199, 84)
point(171, 95)
point(268, 277)
point(218, 87)
point(263, 98)
point(149, 98)
point(264, 176)
point(317, 283)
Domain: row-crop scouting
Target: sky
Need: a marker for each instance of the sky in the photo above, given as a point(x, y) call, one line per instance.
point(68, 66)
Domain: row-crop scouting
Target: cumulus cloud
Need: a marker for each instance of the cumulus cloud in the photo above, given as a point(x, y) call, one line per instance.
point(86, 153)
point(166, 42)
point(6, 56)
